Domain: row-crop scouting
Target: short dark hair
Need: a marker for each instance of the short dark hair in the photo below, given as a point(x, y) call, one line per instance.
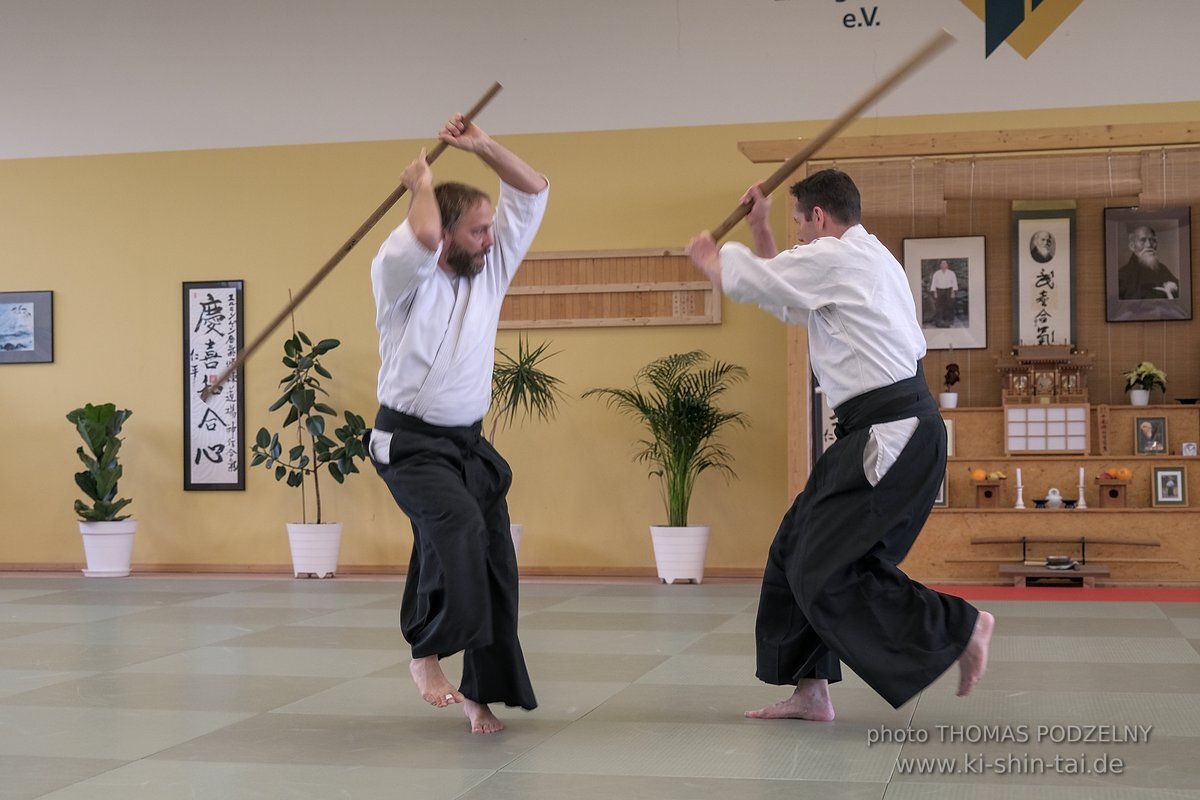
point(455, 198)
point(832, 190)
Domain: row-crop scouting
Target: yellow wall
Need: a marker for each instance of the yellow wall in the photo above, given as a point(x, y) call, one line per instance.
point(114, 237)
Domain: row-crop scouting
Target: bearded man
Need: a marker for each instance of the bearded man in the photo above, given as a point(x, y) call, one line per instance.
point(439, 280)
point(1143, 277)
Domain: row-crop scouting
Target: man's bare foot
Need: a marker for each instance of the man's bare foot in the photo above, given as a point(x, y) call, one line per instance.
point(482, 718)
point(973, 661)
point(431, 682)
point(810, 701)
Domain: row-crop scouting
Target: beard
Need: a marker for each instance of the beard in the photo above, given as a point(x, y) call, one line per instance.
point(465, 263)
point(1147, 258)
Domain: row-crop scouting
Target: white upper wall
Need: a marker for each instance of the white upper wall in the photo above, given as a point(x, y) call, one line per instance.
point(102, 76)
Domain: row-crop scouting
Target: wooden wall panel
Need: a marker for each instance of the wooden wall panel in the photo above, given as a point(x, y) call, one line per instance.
point(596, 289)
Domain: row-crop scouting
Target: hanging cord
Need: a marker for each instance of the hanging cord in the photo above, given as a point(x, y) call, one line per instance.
point(971, 201)
point(1164, 177)
point(1110, 177)
point(912, 194)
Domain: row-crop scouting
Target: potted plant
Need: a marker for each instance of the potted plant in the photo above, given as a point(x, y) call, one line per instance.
point(1141, 379)
point(949, 397)
point(675, 398)
point(521, 388)
point(314, 545)
point(107, 534)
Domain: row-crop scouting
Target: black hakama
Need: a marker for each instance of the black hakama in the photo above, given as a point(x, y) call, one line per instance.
point(461, 590)
point(832, 590)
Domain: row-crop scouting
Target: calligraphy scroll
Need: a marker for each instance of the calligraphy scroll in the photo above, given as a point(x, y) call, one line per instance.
point(213, 439)
point(1044, 276)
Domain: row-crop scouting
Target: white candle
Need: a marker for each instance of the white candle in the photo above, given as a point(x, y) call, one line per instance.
point(1081, 476)
point(1018, 476)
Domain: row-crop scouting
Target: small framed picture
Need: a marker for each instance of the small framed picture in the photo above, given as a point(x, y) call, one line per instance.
point(943, 497)
point(1188, 449)
point(1150, 436)
point(26, 327)
point(949, 436)
point(1170, 486)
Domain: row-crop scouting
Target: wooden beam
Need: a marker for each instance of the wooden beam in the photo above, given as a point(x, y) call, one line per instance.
point(963, 143)
point(613, 288)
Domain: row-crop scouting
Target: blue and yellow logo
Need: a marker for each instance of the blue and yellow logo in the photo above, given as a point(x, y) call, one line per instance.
point(1024, 24)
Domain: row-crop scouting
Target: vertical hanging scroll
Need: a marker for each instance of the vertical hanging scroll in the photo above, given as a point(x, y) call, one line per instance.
point(213, 438)
point(1044, 277)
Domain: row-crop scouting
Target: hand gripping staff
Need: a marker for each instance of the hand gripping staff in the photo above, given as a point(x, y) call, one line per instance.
point(337, 257)
point(940, 41)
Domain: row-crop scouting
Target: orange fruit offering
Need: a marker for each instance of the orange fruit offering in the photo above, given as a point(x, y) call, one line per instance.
point(978, 474)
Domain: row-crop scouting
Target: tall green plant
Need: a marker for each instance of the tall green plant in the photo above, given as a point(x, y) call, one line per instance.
point(675, 398)
point(99, 427)
point(300, 389)
point(520, 387)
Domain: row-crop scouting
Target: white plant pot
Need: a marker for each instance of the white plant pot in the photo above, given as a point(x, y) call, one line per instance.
point(1139, 397)
point(315, 548)
point(679, 552)
point(948, 399)
point(108, 547)
point(515, 529)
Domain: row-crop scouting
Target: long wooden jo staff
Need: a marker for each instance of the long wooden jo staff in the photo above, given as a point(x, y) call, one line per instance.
point(935, 45)
point(337, 257)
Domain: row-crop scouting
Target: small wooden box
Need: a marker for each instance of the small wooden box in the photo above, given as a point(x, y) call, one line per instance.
point(1112, 492)
point(987, 494)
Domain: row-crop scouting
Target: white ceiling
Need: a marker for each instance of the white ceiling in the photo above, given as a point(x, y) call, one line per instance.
point(101, 76)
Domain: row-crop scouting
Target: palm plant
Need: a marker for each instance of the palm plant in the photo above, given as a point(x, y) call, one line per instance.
point(674, 397)
point(520, 387)
point(300, 388)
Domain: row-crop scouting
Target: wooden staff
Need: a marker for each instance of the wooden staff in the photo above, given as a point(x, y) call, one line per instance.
point(936, 44)
point(337, 257)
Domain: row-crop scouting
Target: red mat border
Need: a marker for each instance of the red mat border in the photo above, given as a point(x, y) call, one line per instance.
point(1075, 594)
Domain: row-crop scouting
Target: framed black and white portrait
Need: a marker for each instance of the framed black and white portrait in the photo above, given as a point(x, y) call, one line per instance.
point(1147, 264)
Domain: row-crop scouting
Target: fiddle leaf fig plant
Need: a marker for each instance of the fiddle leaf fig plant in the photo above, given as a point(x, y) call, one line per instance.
point(315, 449)
point(100, 427)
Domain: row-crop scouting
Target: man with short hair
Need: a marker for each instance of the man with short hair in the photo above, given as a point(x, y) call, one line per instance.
point(944, 285)
point(439, 281)
point(1144, 277)
point(832, 589)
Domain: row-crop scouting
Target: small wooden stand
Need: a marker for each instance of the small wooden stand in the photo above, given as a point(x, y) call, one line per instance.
point(1112, 492)
point(987, 494)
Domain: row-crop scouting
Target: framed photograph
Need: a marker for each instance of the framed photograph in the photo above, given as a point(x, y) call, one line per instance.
point(947, 279)
point(943, 497)
point(26, 327)
point(1150, 436)
point(949, 436)
point(1170, 486)
point(1147, 264)
point(213, 438)
point(1188, 449)
point(1044, 276)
